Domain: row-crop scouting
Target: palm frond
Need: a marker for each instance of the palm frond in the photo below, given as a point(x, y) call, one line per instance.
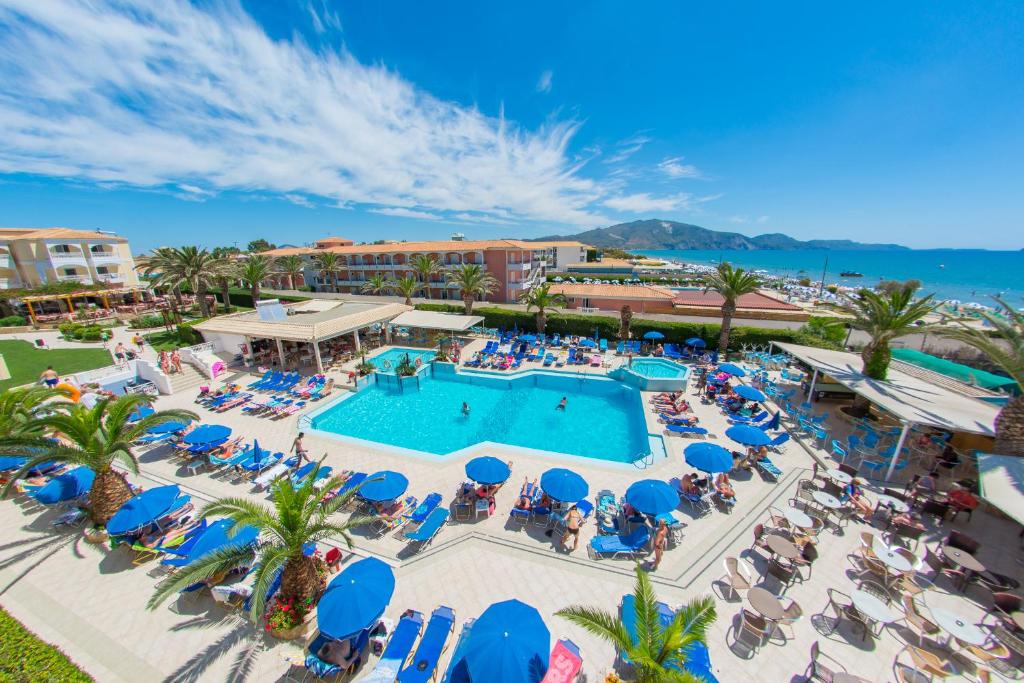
point(218, 562)
point(600, 623)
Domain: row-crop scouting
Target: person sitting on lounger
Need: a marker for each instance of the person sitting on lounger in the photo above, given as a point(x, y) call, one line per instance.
point(687, 486)
point(525, 500)
point(724, 487)
point(338, 652)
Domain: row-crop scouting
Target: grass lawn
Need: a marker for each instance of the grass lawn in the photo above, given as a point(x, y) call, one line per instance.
point(23, 657)
point(164, 340)
point(26, 362)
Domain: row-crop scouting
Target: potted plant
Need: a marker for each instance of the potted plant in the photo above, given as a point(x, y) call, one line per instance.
point(285, 619)
point(405, 367)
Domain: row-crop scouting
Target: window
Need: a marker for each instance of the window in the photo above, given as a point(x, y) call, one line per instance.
point(100, 249)
point(62, 249)
point(102, 270)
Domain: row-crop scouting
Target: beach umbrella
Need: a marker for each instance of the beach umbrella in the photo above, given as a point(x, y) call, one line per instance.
point(696, 342)
point(527, 338)
point(143, 509)
point(143, 411)
point(772, 423)
point(747, 435)
point(207, 434)
point(355, 599)
point(588, 343)
point(509, 643)
point(654, 334)
point(564, 485)
point(167, 428)
point(67, 486)
point(734, 370)
point(487, 470)
point(652, 496)
point(708, 457)
point(217, 536)
point(749, 393)
point(9, 463)
point(383, 486)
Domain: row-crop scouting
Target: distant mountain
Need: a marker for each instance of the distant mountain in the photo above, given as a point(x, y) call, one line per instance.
point(657, 234)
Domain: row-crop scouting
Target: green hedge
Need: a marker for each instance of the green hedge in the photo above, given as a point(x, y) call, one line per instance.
point(12, 321)
point(608, 327)
point(147, 322)
point(24, 657)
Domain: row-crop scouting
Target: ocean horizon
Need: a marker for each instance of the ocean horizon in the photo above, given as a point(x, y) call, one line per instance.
point(968, 275)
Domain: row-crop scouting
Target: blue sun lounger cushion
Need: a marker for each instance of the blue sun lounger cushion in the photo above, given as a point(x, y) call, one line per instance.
point(679, 429)
point(769, 468)
point(432, 644)
point(633, 543)
point(425, 508)
point(397, 651)
point(426, 531)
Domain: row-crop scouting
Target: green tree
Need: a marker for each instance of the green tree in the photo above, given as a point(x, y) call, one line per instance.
point(260, 245)
point(96, 438)
point(658, 654)
point(292, 266)
point(297, 515)
point(328, 263)
point(376, 284)
point(254, 271)
point(731, 283)
point(542, 298)
point(172, 267)
point(625, 321)
point(424, 267)
point(227, 273)
point(407, 286)
point(1004, 346)
point(225, 252)
point(473, 281)
point(22, 408)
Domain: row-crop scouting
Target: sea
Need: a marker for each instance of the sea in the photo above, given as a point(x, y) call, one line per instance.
point(968, 275)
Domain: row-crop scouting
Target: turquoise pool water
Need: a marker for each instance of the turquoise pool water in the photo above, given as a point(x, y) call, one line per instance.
point(658, 368)
point(603, 418)
point(394, 357)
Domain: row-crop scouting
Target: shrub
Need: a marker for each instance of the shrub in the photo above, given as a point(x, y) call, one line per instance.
point(24, 657)
point(188, 336)
point(146, 322)
point(91, 333)
point(69, 330)
point(12, 321)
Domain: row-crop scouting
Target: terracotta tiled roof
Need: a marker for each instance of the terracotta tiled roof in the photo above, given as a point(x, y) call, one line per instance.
point(756, 301)
point(604, 263)
point(57, 233)
point(289, 251)
point(424, 247)
point(614, 291)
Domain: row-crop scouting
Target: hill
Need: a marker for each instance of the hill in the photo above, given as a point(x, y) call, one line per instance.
point(658, 234)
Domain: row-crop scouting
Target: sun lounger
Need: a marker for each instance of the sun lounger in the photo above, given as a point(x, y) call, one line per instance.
point(595, 361)
point(395, 518)
point(685, 431)
point(219, 460)
point(766, 467)
point(258, 462)
point(322, 669)
point(266, 376)
point(632, 544)
point(426, 531)
point(564, 664)
point(397, 651)
point(456, 671)
point(603, 345)
point(153, 439)
point(739, 419)
point(776, 444)
point(434, 641)
point(549, 359)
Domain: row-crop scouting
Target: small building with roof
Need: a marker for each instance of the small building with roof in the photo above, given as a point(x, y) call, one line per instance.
point(612, 297)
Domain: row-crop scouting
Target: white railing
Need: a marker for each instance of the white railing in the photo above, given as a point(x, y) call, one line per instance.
point(108, 277)
point(206, 347)
point(84, 279)
point(88, 376)
point(105, 255)
point(67, 256)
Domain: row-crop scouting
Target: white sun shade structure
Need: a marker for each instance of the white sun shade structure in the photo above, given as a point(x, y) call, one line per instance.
point(912, 400)
point(1001, 480)
point(434, 320)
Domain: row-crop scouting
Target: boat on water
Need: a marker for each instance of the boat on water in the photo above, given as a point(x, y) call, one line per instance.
point(850, 273)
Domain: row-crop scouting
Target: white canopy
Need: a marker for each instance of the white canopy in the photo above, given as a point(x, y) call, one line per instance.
point(909, 398)
point(433, 320)
point(1001, 480)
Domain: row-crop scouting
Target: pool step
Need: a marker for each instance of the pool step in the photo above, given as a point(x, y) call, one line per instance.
point(657, 445)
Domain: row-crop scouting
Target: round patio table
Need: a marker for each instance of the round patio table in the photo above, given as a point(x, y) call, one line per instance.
point(872, 607)
point(958, 627)
point(839, 476)
point(962, 559)
point(782, 547)
point(765, 604)
point(889, 557)
point(893, 503)
point(843, 677)
point(799, 518)
point(826, 499)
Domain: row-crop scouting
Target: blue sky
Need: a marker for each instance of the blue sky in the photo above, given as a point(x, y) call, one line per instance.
point(216, 123)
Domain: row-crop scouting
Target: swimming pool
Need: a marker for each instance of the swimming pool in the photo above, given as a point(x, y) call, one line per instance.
point(659, 368)
point(387, 360)
point(603, 418)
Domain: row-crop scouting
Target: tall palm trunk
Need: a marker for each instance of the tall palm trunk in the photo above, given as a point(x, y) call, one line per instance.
point(225, 293)
point(109, 492)
point(176, 291)
point(300, 579)
point(467, 302)
point(728, 311)
point(1010, 428)
point(254, 291)
point(542, 320)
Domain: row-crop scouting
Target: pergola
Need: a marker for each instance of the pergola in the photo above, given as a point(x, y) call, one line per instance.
point(432, 320)
point(68, 297)
point(912, 400)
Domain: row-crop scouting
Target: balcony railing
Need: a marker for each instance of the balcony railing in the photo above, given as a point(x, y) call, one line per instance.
point(84, 279)
point(109, 277)
point(67, 256)
point(105, 256)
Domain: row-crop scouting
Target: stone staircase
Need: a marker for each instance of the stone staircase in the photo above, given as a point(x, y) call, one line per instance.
point(189, 378)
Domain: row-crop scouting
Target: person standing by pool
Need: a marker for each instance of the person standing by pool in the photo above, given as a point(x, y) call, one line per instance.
point(561, 404)
point(119, 353)
point(49, 377)
point(301, 455)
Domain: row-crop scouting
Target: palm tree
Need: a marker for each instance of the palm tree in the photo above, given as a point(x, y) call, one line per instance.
point(227, 274)
point(406, 286)
point(328, 262)
point(541, 298)
point(425, 267)
point(254, 271)
point(177, 266)
point(657, 654)
point(292, 266)
point(296, 517)
point(22, 408)
point(1004, 346)
point(376, 284)
point(473, 281)
point(95, 438)
point(883, 316)
point(625, 321)
point(731, 283)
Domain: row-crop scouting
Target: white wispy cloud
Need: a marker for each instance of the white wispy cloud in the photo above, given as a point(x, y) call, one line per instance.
point(544, 82)
point(642, 202)
point(300, 200)
point(624, 149)
point(170, 95)
point(738, 220)
point(401, 212)
point(674, 167)
point(762, 219)
point(481, 218)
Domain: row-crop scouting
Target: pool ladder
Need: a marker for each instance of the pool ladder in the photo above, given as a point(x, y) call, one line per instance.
point(643, 461)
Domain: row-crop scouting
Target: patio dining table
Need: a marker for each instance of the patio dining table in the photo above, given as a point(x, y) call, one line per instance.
point(765, 604)
point(962, 559)
point(894, 504)
point(873, 607)
point(889, 557)
point(838, 476)
point(958, 627)
point(799, 518)
point(826, 500)
point(783, 547)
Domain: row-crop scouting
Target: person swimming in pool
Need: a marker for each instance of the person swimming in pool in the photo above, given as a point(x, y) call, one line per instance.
point(465, 409)
point(561, 404)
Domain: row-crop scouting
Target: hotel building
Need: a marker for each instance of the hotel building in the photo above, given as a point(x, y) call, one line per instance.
point(30, 257)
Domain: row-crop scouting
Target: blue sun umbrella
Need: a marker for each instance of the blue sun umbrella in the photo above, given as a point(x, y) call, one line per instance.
point(708, 457)
point(141, 412)
point(654, 334)
point(696, 342)
point(10, 463)
point(564, 485)
point(67, 486)
point(355, 599)
point(588, 343)
point(652, 496)
point(487, 470)
point(383, 486)
point(167, 428)
point(143, 509)
point(749, 393)
point(527, 338)
point(748, 435)
point(217, 536)
point(509, 643)
point(734, 370)
point(207, 434)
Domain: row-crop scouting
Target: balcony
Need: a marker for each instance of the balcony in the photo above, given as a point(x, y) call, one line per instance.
point(6, 261)
point(104, 256)
point(82, 279)
point(109, 277)
point(67, 256)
